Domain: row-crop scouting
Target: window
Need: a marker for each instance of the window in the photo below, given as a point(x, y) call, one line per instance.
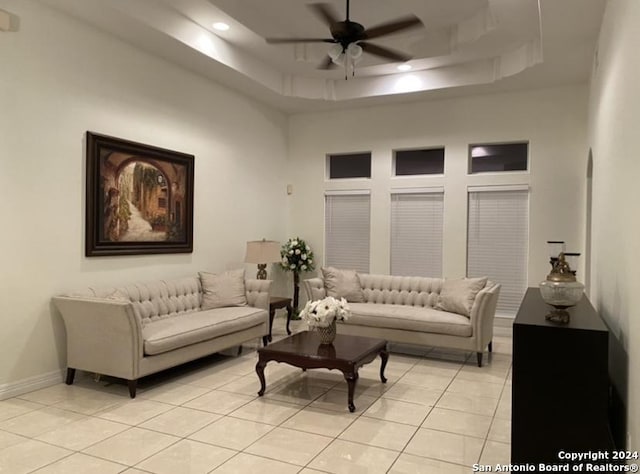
point(347, 230)
point(416, 233)
point(497, 244)
point(412, 162)
point(351, 165)
point(498, 157)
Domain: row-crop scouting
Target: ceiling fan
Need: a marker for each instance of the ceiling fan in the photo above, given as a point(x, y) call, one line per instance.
point(351, 38)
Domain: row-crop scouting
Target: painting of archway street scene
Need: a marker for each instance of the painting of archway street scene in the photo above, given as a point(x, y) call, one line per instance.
point(139, 198)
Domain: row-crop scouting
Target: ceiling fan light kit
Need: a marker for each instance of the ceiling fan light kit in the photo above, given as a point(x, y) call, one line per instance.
point(347, 58)
point(350, 39)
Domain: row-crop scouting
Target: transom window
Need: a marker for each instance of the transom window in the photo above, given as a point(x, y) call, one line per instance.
point(418, 162)
point(349, 165)
point(498, 157)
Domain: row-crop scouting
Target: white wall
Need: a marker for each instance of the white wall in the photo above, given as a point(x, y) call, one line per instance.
point(615, 141)
point(552, 120)
point(59, 78)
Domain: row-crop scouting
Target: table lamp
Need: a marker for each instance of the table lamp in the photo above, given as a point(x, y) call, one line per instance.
point(262, 252)
point(561, 289)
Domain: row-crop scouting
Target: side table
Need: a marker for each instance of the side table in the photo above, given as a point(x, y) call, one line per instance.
point(279, 302)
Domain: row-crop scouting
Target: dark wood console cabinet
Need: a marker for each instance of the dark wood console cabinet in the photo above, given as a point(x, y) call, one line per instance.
point(560, 394)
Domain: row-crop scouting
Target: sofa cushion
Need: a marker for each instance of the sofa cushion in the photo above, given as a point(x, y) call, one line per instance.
point(167, 334)
point(458, 295)
point(409, 318)
point(343, 284)
point(159, 299)
point(393, 289)
point(224, 289)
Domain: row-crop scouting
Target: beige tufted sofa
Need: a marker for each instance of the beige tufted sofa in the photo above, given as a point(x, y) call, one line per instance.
point(403, 309)
point(136, 330)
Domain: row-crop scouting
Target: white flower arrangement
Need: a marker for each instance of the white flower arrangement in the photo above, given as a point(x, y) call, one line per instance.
point(321, 313)
point(296, 256)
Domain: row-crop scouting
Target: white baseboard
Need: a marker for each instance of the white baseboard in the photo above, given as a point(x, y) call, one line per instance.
point(30, 384)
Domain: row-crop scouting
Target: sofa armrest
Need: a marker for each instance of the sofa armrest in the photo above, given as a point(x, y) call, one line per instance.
point(314, 288)
point(483, 313)
point(258, 293)
point(103, 335)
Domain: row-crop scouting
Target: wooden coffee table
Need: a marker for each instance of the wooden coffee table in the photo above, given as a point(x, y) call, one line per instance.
point(347, 354)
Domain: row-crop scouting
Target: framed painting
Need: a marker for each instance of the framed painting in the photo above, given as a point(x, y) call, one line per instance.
point(139, 198)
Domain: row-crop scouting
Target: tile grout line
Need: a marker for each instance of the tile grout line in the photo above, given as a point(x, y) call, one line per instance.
point(350, 424)
point(484, 444)
point(425, 417)
point(244, 450)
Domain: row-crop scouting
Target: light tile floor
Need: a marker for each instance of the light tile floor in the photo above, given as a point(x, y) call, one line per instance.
point(438, 413)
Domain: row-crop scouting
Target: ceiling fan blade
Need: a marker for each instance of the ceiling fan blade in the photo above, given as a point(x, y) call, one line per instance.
point(326, 64)
point(384, 52)
point(400, 24)
point(299, 40)
point(325, 13)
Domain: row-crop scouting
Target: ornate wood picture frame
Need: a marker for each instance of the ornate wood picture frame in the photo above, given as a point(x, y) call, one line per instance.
point(139, 198)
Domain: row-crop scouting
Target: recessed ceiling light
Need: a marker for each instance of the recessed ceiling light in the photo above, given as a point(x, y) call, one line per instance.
point(404, 67)
point(220, 26)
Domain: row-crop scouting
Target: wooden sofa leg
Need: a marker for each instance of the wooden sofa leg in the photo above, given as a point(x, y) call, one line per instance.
point(490, 346)
point(265, 340)
point(71, 373)
point(479, 354)
point(133, 384)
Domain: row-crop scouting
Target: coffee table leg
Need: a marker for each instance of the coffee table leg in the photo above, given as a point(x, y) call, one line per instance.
point(384, 355)
point(260, 371)
point(351, 378)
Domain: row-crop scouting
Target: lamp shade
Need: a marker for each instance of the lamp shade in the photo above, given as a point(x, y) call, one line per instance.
point(262, 251)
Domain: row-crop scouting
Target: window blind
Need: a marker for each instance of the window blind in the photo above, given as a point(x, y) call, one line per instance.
point(498, 239)
point(416, 234)
point(347, 224)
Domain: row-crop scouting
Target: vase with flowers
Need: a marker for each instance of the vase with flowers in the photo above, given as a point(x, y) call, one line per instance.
point(322, 315)
point(297, 257)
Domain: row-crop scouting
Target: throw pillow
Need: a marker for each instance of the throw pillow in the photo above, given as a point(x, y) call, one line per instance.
point(224, 289)
point(457, 296)
point(343, 284)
